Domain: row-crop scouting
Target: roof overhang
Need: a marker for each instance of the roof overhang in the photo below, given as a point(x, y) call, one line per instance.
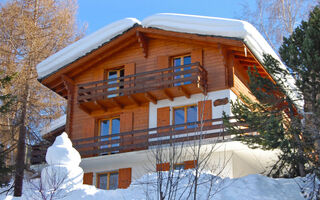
point(112, 38)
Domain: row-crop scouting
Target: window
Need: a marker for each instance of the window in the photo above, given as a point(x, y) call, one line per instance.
point(113, 75)
point(185, 114)
point(178, 61)
point(108, 180)
point(109, 127)
point(179, 166)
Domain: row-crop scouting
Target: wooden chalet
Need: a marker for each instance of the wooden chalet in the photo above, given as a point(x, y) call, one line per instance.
point(148, 86)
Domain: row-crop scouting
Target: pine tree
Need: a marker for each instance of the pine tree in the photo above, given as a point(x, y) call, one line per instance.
point(275, 116)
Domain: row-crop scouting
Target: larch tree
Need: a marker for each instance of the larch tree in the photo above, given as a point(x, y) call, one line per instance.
point(30, 31)
point(276, 19)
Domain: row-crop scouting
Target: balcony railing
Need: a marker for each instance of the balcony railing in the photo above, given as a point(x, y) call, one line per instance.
point(183, 76)
point(146, 138)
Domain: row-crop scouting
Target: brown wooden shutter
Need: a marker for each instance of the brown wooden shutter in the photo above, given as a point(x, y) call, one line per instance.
point(196, 56)
point(126, 125)
point(163, 118)
point(129, 69)
point(190, 164)
point(88, 178)
point(163, 167)
point(205, 111)
point(163, 62)
point(124, 179)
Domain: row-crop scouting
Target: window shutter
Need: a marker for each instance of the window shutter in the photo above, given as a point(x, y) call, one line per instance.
point(126, 124)
point(163, 118)
point(163, 167)
point(190, 164)
point(196, 56)
point(205, 111)
point(124, 179)
point(129, 69)
point(88, 178)
point(163, 62)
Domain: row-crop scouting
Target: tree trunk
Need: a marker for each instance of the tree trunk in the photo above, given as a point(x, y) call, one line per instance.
point(21, 151)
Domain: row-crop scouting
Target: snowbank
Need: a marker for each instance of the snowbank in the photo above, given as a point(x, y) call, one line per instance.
point(252, 187)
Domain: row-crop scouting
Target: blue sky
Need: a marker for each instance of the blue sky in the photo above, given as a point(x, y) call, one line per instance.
point(99, 13)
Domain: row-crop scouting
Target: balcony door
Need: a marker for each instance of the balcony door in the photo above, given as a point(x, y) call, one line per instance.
point(109, 127)
point(113, 79)
point(179, 61)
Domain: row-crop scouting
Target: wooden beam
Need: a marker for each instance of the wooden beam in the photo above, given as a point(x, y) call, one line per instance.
point(168, 95)
point(134, 100)
point(65, 78)
point(184, 91)
point(150, 98)
point(243, 58)
point(84, 108)
point(249, 63)
point(115, 101)
point(101, 106)
point(143, 43)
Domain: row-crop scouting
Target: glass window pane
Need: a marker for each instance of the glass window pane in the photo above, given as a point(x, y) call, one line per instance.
point(192, 115)
point(103, 181)
point(104, 127)
point(104, 130)
point(179, 117)
point(178, 167)
point(186, 60)
point(115, 129)
point(113, 182)
point(176, 61)
point(112, 75)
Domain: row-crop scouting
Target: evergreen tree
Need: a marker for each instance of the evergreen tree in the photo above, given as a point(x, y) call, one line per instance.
point(275, 116)
point(6, 100)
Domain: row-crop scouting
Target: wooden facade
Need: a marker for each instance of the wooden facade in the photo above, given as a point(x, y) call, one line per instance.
point(145, 57)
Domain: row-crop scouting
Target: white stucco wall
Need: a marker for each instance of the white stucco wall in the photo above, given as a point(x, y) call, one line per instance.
point(229, 159)
point(194, 99)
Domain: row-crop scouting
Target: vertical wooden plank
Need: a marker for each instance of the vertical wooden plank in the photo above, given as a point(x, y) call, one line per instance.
point(163, 167)
point(190, 164)
point(88, 178)
point(126, 124)
point(196, 56)
point(124, 179)
point(205, 111)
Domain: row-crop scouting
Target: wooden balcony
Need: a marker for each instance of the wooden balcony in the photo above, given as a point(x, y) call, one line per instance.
point(144, 139)
point(143, 87)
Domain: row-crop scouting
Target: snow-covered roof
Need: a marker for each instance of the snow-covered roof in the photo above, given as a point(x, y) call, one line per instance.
point(54, 125)
point(202, 25)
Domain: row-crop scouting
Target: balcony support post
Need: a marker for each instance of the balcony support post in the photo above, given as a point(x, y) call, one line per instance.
point(70, 86)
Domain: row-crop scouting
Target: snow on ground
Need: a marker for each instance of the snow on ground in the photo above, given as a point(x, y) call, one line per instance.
point(62, 179)
point(251, 187)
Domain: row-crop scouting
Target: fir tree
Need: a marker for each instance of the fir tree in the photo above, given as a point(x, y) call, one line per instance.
point(276, 117)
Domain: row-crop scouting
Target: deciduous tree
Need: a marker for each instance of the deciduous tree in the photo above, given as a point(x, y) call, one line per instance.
point(30, 31)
